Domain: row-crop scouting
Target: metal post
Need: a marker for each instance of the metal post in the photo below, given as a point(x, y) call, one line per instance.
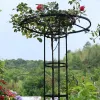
point(59, 62)
point(44, 67)
point(59, 69)
point(66, 70)
point(52, 69)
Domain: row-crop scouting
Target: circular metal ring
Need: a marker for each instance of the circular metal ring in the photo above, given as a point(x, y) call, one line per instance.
point(54, 34)
point(55, 64)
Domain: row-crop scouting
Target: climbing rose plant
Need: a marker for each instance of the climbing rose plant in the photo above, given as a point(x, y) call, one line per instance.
point(24, 12)
point(95, 34)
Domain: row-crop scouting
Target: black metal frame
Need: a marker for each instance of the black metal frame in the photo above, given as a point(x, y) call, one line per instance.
point(53, 65)
point(58, 63)
point(49, 34)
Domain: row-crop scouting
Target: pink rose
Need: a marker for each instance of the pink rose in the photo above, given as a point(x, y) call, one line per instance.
point(40, 7)
point(82, 8)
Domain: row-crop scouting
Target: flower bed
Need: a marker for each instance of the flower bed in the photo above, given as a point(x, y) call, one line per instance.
point(7, 94)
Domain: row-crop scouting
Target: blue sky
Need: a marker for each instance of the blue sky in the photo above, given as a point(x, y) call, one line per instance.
point(14, 45)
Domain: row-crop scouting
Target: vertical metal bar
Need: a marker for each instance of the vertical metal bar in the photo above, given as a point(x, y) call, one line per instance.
point(58, 68)
point(44, 67)
point(52, 69)
point(66, 70)
point(59, 62)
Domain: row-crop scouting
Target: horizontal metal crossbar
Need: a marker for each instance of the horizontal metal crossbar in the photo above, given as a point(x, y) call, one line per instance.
point(50, 95)
point(55, 64)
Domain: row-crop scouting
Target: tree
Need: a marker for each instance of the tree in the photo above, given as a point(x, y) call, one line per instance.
point(87, 45)
point(33, 86)
point(2, 65)
point(76, 62)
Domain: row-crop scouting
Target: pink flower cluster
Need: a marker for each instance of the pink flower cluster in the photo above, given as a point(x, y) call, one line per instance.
point(6, 93)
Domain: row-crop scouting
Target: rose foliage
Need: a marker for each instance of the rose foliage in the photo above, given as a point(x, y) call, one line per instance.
point(43, 24)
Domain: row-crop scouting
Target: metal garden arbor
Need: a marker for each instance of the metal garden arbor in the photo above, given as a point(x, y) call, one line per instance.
point(55, 32)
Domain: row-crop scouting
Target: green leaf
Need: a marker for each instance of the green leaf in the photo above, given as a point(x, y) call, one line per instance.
point(16, 15)
point(91, 38)
point(92, 34)
point(70, 2)
point(30, 11)
point(94, 40)
point(15, 30)
point(36, 35)
point(23, 33)
point(96, 33)
point(39, 39)
point(30, 36)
